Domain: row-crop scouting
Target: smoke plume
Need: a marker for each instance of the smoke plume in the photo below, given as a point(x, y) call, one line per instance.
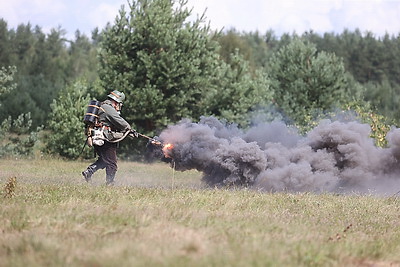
point(333, 157)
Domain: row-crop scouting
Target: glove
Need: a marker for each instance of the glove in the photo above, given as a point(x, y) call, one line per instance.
point(133, 133)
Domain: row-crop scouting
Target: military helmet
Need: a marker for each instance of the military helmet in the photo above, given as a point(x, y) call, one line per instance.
point(117, 96)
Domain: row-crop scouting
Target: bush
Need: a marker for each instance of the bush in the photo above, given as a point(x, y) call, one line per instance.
point(17, 139)
point(305, 81)
point(66, 134)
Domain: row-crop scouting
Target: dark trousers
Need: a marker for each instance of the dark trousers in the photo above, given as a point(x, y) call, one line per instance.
point(107, 158)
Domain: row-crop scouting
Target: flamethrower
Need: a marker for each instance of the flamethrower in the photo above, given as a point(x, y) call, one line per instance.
point(166, 148)
point(153, 140)
point(95, 133)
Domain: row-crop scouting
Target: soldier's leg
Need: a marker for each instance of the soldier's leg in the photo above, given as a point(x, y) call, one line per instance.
point(110, 159)
point(99, 164)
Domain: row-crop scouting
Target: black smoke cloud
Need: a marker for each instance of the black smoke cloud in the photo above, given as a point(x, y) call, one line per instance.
point(333, 157)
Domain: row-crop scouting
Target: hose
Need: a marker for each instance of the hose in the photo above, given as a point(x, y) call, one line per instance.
point(120, 139)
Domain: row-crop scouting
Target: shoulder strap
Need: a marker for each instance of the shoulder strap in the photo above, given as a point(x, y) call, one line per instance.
point(102, 109)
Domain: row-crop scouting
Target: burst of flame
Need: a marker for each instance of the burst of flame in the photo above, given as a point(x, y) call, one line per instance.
point(167, 150)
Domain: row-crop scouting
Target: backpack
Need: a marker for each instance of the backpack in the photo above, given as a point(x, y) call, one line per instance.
point(95, 135)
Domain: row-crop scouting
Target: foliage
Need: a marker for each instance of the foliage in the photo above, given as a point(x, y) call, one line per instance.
point(357, 111)
point(7, 79)
point(16, 138)
point(368, 58)
point(66, 135)
point(244, 92)
point(159, 62)
point(169, 68)
point(372, 61)
point(384, 98)
point(45, 63)
point(251, 46)
point(231, 42)
point(380, 125)
point(305, 81)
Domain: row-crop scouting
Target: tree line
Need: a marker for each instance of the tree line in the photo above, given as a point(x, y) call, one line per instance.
point(171, 68)
point(373, 62)
point(45, 64)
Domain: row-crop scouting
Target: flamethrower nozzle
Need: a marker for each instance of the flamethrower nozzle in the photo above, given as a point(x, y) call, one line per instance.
point(156, 142)
point(152, 140)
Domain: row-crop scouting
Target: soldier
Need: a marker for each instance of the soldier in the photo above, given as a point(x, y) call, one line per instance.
point(114, 128)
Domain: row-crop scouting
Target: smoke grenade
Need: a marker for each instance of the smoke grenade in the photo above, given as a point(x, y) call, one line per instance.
point(333, 157)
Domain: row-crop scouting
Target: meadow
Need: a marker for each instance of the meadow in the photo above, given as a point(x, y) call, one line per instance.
point(155, 216)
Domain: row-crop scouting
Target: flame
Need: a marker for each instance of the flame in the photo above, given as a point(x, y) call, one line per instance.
point(167, 150)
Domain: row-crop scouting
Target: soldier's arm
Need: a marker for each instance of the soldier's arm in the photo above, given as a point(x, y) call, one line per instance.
point(115, 119)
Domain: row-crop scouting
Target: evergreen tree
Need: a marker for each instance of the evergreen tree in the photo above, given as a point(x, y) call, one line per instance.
point(384, 97)
point(7, 79)
point(162, 64)
point(66, 128)
point(391, 58)
point(232, 41)
point(170, 68)
point(45, 65)
point(5, 46)
point(15, 136)
point(305, 81)
point(242, 93)
point(251, 46)
point(40, 74)
point(260, 51)
point(82, 60)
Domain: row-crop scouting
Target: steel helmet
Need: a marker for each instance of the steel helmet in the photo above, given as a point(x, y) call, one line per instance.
point(117, 96)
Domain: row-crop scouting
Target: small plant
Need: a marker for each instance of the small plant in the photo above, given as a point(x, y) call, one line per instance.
point(9, 188)
point(380, 125)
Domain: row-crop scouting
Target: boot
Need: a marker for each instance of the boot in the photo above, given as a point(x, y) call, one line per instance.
point(87, 174)
point(110, 179)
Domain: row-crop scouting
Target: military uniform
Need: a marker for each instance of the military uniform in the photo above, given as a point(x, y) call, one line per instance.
point(114, 127)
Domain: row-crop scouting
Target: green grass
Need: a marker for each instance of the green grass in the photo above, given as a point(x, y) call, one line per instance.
point(157, 217)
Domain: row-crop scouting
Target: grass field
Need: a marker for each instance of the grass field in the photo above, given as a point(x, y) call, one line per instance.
point(157, 217)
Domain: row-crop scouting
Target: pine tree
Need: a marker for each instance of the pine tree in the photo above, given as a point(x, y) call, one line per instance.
point(66, 128)
point(7, 79)
point(161, 63)
point(15, 135)
point(171, 69)
point(305, 81)
point(242, 92)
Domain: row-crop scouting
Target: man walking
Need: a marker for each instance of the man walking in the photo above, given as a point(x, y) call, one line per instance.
point(114, 127)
